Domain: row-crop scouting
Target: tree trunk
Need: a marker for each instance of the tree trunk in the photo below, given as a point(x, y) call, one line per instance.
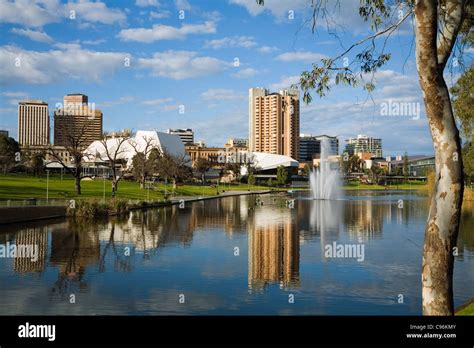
point(78, 183)
point(114, 186)
point(443, 222)
point(114, 179)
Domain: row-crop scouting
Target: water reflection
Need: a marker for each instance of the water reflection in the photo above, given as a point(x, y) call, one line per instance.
point(273, 248)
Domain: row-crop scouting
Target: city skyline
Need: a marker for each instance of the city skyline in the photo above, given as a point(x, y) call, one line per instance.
point(140, 60)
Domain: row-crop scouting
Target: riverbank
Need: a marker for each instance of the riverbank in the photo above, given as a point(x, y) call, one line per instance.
point(94, 208)
point(466, 309)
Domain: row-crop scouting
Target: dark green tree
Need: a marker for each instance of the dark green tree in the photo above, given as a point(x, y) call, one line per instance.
point(406, 167)
point(9, 152)
point(462, 94)
point(251, 179)
point(282, 176)
point(202, 166)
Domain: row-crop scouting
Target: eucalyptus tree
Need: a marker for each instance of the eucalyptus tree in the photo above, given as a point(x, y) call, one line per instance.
point(437, 26)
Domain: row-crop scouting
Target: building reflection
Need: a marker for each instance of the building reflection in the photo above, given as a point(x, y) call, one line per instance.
point(154, 228)
point(274, 231)
point(364, 219)
point(74, 247)
point(325, 220)
point(273, 247)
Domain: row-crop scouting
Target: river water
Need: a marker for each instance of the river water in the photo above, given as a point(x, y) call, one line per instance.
point(268, 254)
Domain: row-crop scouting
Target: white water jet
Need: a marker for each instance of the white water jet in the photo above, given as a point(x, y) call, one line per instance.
point(324, 181)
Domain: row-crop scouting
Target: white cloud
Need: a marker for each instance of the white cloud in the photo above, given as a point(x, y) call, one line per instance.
point(15, 94)
point(37, 13)
point(285, 82)
point(169, 107)
point(30, 13)
point(159, 15)
point(165, 32)
point(146, 3)
point(182, 5)
point(339, 16)
point(95, 12)
point(304, 56)
point(119, 101)
point(33, 35)
point(180, 65)
point(247, 72)
point(93, 42)
point(234, 41)
point(216, 94)
point(267, 49)
point(157, 101)
point(7, 110)
point(69, 61)
point(469, 50)
point(278, 8)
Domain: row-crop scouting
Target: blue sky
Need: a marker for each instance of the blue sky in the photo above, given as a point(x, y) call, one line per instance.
point(190, 61)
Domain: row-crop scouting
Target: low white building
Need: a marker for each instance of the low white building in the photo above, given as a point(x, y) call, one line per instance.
point(267, 161)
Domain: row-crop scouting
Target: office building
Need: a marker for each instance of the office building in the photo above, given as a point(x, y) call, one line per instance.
point(274, 122)
point(333, 144)
point(186, 135)
point(364, 143)
point(237, 142)
point(4, 132)
point(310, 146)
point(33, 123)
point(253, 94)
point(77, 122)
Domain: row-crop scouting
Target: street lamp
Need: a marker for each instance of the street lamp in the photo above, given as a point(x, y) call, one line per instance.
point(103, 175)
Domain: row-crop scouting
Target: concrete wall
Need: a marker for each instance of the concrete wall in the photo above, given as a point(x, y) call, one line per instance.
point(27, 213)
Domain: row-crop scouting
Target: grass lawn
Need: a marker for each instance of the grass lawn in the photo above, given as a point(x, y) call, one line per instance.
point(412, 185)
point(22, 187)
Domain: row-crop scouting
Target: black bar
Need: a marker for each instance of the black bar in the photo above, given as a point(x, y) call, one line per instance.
point(225, 330)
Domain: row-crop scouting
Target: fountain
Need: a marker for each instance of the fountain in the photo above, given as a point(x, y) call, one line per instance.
point(324, 181)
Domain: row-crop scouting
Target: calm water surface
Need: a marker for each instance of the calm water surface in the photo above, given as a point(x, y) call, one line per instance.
point(236, 255)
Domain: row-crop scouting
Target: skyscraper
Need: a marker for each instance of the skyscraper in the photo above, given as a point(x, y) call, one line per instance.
point(33, 123)
point(77, 122)
point(253, 94)
point(274, 122)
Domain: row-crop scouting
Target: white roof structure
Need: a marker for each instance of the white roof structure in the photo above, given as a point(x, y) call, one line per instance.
point(170, 143)
point(266, 161)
